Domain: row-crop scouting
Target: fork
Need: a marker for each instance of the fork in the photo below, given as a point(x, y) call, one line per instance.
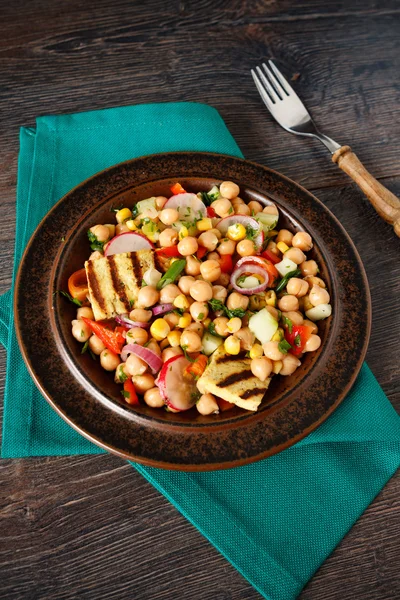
point(289, 111)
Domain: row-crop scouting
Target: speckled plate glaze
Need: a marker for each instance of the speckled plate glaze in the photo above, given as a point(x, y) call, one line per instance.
point(87, 397)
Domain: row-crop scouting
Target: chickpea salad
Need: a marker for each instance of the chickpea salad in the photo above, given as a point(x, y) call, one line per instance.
point(198, 300)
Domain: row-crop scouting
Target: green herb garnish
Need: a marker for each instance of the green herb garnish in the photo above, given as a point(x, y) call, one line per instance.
point(173, 272)
point(125, 394)
point(297, 340)
point(209, 197)
point(217, 305)
point(251, 233)
point(122, 377)
point(94, 242)
point(286, 278)
point(284, 347)
point(288, 322)
point(189, 358)
point(211, 329)
point(70, 298)
point(201, 316)
point(85, 347)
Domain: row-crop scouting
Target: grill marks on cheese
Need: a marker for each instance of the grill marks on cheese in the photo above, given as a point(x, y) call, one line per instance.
point(114, 281)
point(230, 377)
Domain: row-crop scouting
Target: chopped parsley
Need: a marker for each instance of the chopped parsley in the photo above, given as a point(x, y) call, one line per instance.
point(94, 242)
point(70, 298)
point(209, 197)
point(297, 340)
point(122, 376)
point(251, 233)
point(286, 278)
point(211, 329)
point(85, 347)
point(217, 305)
point(288, 322)
point(284, 347)
point(200, 316)
point(189, 358)
point(125, 394)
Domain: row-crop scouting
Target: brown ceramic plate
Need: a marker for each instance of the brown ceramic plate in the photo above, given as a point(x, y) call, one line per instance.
point(87, 397)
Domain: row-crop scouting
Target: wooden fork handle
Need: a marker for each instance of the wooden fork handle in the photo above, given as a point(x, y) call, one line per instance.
point(386, 204)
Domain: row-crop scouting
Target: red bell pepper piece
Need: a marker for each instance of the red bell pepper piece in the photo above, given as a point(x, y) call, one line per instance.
point(177, 189)
point(297, 338)
point(113, 340)
point(170, 251)
point(211, 212)
point(271, 256)
point(272, 272)
point(224, 404)
point(226, 263)
point(201, 252)
point(129, 393)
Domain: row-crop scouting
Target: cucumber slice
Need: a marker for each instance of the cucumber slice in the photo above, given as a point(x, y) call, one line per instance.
point(263, 325)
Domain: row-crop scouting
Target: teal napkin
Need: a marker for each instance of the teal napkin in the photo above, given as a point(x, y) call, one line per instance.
point(275, 520)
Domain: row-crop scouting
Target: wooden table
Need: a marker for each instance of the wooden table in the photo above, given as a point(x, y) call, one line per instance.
point(91, 527)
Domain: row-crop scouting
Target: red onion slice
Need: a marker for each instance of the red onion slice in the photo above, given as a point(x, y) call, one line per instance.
point(128, 323)
point(161, 309)
point(251, 270)
point(151, 358)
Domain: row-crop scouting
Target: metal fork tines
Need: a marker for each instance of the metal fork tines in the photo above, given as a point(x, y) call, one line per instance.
point(285, 106)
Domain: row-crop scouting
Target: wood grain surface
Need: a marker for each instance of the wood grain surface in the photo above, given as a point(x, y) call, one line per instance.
point(91, 527)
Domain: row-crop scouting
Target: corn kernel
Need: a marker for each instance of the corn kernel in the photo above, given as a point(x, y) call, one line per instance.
point(174, 338)
point(160, 329)
point(270, 298)
point(277, 366)
point(234, 324)
point(204, 224)
point(130, 223)
point(181, 302)
point(272, 233)
point(236, 232)
point(278, 335)
point(206, 322)
point(256, 351)
point(184, 320)
point(123, 215)
point(232, 345)
point(164, 344)
point(282, 247)
point(183, 232)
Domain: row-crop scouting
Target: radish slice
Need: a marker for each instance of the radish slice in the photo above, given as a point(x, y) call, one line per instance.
point(161, 309)
point(255, 270)
point(149, 357)
point(128, 323)
point(178, 392)
point(130, 241)
point(246, 222)
point(189, 206)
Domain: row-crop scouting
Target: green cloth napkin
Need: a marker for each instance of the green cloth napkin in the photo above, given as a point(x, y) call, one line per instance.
point(275, 520)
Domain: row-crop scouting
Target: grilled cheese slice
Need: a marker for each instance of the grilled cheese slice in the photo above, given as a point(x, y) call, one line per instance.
point(230, 377)
point(114, 281)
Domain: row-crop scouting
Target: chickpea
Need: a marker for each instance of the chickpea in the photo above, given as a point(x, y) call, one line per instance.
point(96, 345)
point(288, 302)
point(188, 246)
point(216, 232)
point(172, 319)
point(296, 255)
point(208, 240)
point(311, 325)
point(272, 351)
point(273, 311)
point(303, 241)
point(223, 280)
point(222, 207)
point(285, 236)
point(80, 330)
point(213, 256)
point(234, 325)
point(169, 293)
point(273, 247)
point(207, 405)
point(168, 237)
point(309, 267)
point(108, 360)
point(111, 229)
point(242, 209)
point(261, 367)
point(226, 246)
point(192, 266)
point(246, 337)
point(197, 327)
point(185, 283)
point(237, 201)
point(141, 315)
point(170, 353)
point(168, 216)
point(142, 383)
point(312, 344)
point(236, 300)
point(294, 316)
point(137, 335)
point(246, 248)
point(160, 202)
point(191, 341)
point(152, 397)
point(219, 292)
point(290, 364)
point(153, 345)
point(148, 296)
point(318, 296)
point(95, 255)
point(271, 209)
point(229, 189)
point(121, 228)
point(101, 232)
point(255, 207)
point(312, 280)
point(120, 374)
point(84, 311)
point(220, 324)
point(297, 287)
point(199, 311)
point(135, 366)
point(201, 291)
point(210, 270)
